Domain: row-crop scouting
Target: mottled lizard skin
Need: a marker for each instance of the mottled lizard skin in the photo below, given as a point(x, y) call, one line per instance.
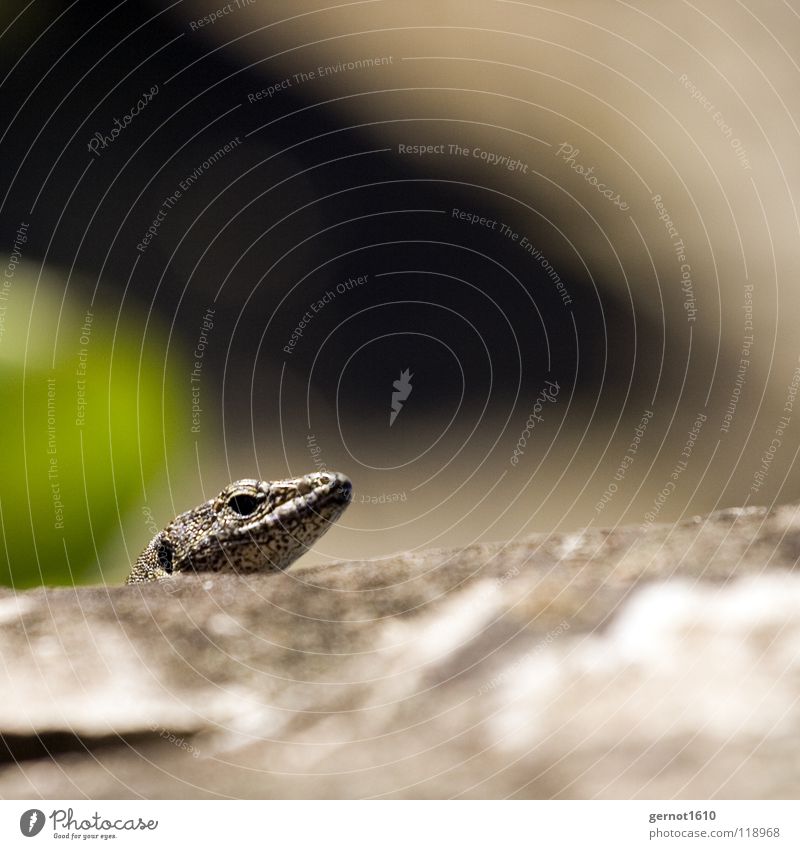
point(251, 526)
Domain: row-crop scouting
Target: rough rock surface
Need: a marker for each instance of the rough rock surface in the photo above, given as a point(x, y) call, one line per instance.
point(619, 664)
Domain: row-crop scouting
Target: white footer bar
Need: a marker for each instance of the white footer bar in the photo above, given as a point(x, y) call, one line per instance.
point(402, 824)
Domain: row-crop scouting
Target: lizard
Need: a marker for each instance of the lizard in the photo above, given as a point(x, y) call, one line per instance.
point(251, 526)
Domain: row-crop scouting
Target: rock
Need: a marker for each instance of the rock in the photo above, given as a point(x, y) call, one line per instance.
point(619, 663)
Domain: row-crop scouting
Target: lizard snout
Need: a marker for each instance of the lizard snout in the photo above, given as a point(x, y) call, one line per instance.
point(334, 484)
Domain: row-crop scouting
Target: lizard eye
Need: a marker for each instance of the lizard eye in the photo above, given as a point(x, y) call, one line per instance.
point(243, 504)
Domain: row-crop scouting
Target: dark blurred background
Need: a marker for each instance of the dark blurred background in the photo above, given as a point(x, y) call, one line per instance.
point(184, 188)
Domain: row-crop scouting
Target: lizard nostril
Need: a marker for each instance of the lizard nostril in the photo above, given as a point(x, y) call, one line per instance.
point(346, 489)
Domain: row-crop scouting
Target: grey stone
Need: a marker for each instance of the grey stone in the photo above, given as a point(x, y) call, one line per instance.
point(618, 663)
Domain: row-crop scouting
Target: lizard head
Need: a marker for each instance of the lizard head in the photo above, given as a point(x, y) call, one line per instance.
point(251, 526)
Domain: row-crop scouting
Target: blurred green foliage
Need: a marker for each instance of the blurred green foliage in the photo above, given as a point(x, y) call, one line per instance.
point(86, 412)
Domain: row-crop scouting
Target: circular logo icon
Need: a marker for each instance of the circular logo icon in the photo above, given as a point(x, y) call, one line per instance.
point(31, 822)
